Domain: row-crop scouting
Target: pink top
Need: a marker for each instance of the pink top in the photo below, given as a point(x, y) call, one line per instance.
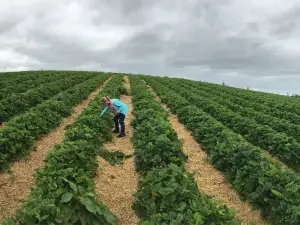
point(111, 106)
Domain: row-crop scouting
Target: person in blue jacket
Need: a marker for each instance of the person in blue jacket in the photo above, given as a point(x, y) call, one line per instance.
point(120, 110)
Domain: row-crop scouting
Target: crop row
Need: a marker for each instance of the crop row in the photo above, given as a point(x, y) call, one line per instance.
point(166, 193)
point(20, 133)
point(278, 144)
point(243, 107)
point(262, 97)
point(34, 80)
point(258, 179)
point(287, 117)
point(23, 80)
point(8, 78)
point(64, 192)
point(17, 103)
point(277, 103)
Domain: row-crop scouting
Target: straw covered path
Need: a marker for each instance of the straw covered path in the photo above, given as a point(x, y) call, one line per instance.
point(210, 181)
point(115, 185)
point(16, 184)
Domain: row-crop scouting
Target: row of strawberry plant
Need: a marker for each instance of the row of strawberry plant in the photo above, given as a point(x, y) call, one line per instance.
point(263, 97)
point(7, 84)
point(64, 192)
point(18, 103)
point(228, 101)
point(26, 79)
point(7, 78)
point(278, 144)
point(6, 75)
point(20, 133)
point(36, 79)
point(287, 117)
point(276, 124)
point(166, 193)
point(282, 103)
point(258, 179)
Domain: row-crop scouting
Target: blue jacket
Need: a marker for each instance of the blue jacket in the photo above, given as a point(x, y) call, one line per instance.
point(121, 107)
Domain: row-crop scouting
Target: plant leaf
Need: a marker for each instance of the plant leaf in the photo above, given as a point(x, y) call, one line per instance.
point(90, 206)
point(276, 193)
point(66, 197)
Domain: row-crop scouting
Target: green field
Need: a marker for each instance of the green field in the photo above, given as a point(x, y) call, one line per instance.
point(251, 139)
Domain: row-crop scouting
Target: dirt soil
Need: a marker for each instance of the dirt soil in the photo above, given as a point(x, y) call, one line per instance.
point(16, 184)
point(115, 185)
point(211, 181)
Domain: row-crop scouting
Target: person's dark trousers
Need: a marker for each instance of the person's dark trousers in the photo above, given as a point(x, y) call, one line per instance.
point(119, 119)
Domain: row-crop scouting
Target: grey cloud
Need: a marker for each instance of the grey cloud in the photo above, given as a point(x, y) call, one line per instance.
point(215, 41)
point(286, 23)
point(7, 25)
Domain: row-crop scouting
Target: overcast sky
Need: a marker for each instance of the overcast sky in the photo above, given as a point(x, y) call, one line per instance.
point(243, 43)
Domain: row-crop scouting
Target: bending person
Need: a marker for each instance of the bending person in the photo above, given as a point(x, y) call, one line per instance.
point(120, 110)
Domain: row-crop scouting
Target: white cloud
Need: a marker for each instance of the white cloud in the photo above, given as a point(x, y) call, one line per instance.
point(16, 60)
point(243, 43)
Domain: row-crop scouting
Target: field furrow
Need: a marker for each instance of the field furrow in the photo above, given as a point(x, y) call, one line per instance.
point(17, 104)
point(258, 180)
point(210, 181)
point(17, 183)
point(65, 189)
point(32, 80)
point(261, 114)
point(280, 145)
point(240, 99)
point(194, 152)
point(116, 184)
point(19, 135)
point(166, 192)
point(273, 101)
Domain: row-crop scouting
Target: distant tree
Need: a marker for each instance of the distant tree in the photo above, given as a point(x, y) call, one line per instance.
point(294, 95)
point(223, 83)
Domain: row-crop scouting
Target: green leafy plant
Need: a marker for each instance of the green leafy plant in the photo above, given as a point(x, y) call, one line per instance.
point(166, 193)
point(17, 103)
point(258, 180)
point(19, 134)
point(64, 192)
point(277, 143)
point(23, 81)
point(113, 157)
point(177, 200)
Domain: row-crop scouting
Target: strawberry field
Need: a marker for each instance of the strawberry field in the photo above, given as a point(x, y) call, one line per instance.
point(250, 142)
